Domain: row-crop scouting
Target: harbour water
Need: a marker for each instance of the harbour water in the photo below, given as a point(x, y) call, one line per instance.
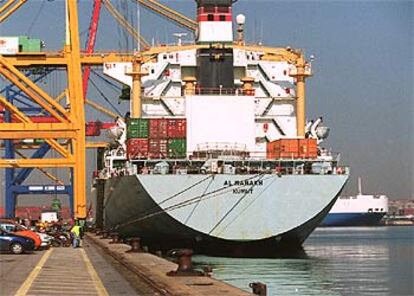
point(338, 261)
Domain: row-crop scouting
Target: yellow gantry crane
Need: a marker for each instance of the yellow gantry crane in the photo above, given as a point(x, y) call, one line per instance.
point(9, 7)
point(66, 136)
point(70, 123)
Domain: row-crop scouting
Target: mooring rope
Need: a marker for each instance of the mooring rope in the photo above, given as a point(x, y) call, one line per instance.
point(187, 202)
point(233, 207)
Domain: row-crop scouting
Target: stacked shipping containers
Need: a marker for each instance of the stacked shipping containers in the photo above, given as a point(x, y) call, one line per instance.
point(156, 138)
point(292, 148)
point(137, 138)
point(177, 132)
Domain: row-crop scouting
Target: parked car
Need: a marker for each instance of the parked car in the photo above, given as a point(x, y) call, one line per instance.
point(46, 240)
point(13, 227)
point(15, 243)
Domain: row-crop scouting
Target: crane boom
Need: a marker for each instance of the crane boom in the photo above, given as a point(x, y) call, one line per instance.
point(171, 14)
point(125, 24)
point(7, 9)
point(93, 29)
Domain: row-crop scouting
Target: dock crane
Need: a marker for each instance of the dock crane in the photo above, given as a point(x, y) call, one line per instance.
point(68, 124)
point(9, 7)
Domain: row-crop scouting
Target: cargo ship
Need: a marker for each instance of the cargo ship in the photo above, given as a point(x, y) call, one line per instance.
point(358, 210)
point(216, 154)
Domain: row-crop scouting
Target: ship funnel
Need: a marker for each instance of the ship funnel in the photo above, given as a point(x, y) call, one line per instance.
point(215, 21)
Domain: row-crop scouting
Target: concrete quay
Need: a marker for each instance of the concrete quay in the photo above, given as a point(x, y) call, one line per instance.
point(153, 270)
point(100, 268)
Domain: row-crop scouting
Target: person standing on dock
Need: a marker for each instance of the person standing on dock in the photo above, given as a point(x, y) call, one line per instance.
point(76, 234)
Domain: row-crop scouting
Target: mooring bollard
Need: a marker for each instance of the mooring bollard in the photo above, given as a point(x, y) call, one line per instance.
point(135, 243)
point(105, 234)
point(258, 288)
point(208, 270)
point(185, 265)
point(115, 238)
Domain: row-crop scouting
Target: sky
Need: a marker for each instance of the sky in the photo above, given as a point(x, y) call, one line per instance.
point(363, 69)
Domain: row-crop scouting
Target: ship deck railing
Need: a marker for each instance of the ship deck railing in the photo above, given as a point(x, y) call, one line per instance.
point(211, 91)
point(226, 167)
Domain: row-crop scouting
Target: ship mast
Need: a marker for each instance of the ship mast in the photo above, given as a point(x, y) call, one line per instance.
point(359, 186)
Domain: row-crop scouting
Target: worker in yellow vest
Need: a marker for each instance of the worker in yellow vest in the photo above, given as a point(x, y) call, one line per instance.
point(76, 234)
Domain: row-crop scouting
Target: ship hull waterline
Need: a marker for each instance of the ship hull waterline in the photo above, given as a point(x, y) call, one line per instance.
point(352, 219)
point(221, 215)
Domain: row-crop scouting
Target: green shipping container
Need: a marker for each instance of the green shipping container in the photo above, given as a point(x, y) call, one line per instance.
point(137, 128)
point(38, 141)
point(177, 148)
point(27, 44)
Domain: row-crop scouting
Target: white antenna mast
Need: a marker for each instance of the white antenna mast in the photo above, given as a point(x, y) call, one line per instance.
point(179, 37)
point(359, 186)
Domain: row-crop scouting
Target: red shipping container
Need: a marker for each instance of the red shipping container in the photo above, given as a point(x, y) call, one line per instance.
point(93, 128)
point(158, 148)
point(137, 148)
point(177, 128)
point(158, 128)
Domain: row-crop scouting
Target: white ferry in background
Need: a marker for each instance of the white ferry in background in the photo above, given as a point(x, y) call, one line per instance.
point(359, 210)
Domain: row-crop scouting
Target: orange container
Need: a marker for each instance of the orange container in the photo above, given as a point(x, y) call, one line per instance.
point(308, 148)
point(292, 148)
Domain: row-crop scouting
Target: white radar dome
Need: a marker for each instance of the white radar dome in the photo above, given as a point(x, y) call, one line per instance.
point(240, 19)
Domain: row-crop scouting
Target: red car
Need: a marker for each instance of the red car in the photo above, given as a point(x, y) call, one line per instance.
point(15, 228)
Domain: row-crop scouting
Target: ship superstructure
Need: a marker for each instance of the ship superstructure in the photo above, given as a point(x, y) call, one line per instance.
point(218, 156)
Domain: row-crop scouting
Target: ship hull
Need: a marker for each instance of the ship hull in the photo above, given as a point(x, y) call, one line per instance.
point(352, 219)
point(221, 215)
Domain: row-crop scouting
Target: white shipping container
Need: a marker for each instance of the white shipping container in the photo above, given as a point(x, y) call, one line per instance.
point(9, 45)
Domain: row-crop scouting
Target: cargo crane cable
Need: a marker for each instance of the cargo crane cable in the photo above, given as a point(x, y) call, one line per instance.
point(122, 6)
point(196, 205)
point(35, 18)
point(169, 198)
point(193, 200)
point(185, 190)
point(233, 207)
point(105, 97)
point(106, 80)
point(242, 211)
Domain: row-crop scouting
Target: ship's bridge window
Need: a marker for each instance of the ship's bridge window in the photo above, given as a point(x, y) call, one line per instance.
point(376, 209)
point(382, 210)
point(210, 17)
point(222, 18)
